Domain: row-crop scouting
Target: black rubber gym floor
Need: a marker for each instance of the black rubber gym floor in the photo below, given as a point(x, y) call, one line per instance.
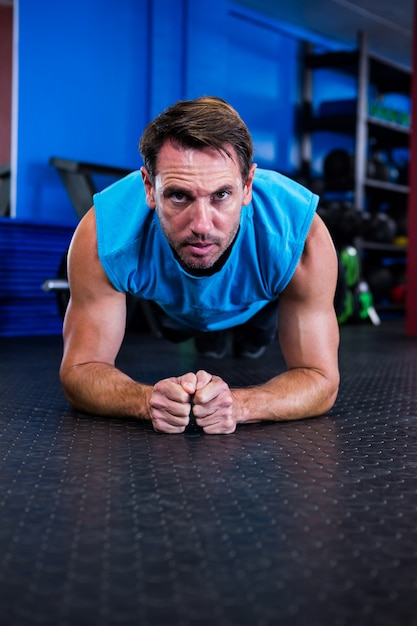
point(104, 521)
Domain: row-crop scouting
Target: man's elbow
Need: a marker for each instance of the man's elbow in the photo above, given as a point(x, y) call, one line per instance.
point(64, 376)
point(330, 393)
point(68, 381)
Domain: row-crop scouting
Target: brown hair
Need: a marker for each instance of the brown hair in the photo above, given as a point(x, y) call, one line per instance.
point(206, 122)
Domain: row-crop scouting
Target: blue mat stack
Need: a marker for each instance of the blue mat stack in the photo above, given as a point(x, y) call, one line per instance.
point(29, 254)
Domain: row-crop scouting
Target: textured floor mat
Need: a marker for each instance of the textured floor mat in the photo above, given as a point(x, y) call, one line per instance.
point(104, 521)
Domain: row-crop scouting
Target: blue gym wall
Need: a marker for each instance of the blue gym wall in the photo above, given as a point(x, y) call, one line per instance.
point(82, 83)
point(92, 73)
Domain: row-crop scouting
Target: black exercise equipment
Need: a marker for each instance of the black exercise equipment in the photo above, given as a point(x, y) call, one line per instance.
point(344, 221)
point(5, 190)
point(78, 179)
point(380, 280)
point(381, 228)
point(338, 169)
point(60, 286)
point(381, 168)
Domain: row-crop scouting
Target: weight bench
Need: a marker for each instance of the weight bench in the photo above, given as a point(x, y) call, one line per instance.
point(77, 177)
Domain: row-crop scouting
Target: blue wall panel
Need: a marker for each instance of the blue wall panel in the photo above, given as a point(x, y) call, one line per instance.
point(81, 93)
point(206, 48)
point(168, 24)
point(92, 73)
point(262, 82)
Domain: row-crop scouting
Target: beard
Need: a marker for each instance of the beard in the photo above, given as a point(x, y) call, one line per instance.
point(202, 266)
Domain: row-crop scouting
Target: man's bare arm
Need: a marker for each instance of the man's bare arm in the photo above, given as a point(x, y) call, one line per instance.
point(94, 328)
point(309, 339)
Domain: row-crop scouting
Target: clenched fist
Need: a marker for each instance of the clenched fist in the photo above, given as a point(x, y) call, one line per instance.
point(213, 404)
point(171, 403)
point(207, 396)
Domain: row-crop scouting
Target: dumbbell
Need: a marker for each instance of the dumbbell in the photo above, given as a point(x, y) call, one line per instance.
point(381, 228)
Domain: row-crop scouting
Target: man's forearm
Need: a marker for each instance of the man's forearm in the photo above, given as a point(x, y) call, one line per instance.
point(295, 394)
point(102, 389)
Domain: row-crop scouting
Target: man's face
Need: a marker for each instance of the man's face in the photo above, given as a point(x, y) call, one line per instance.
point(198, 195)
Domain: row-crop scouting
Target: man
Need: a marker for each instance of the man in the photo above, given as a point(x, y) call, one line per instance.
point(216, 244)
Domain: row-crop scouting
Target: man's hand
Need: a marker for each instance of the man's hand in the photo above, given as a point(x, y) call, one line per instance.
point(213, 404)
point(171, 403)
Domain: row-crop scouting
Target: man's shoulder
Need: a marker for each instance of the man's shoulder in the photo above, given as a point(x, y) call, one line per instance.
point(122, 215)
point(279, 200)
point(280, 185)
point(130, 184)
point(123, 202)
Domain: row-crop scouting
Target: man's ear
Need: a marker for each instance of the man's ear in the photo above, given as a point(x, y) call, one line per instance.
point(247, 187)
point(149, 188)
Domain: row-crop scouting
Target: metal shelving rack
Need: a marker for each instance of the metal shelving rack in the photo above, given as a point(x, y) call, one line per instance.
point(368, 69)
point(362, 125)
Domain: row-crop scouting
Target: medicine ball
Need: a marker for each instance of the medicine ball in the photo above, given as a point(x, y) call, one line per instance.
point(380, 281)
point(338, 168)
point(381, 228)
point(344, 221)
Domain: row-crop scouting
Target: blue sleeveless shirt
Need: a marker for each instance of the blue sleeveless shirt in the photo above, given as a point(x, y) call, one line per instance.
point(138, 259)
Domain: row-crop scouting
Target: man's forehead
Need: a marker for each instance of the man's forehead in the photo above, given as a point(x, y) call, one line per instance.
point(176, 156)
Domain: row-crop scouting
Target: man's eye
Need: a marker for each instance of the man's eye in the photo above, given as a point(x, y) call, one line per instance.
point(178, 196)
point(221, 195)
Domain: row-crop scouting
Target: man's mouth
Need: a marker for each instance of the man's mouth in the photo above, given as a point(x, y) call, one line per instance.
point(200, 247)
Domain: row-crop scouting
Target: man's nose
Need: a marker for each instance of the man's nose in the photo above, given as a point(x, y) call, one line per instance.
point(201, 221)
